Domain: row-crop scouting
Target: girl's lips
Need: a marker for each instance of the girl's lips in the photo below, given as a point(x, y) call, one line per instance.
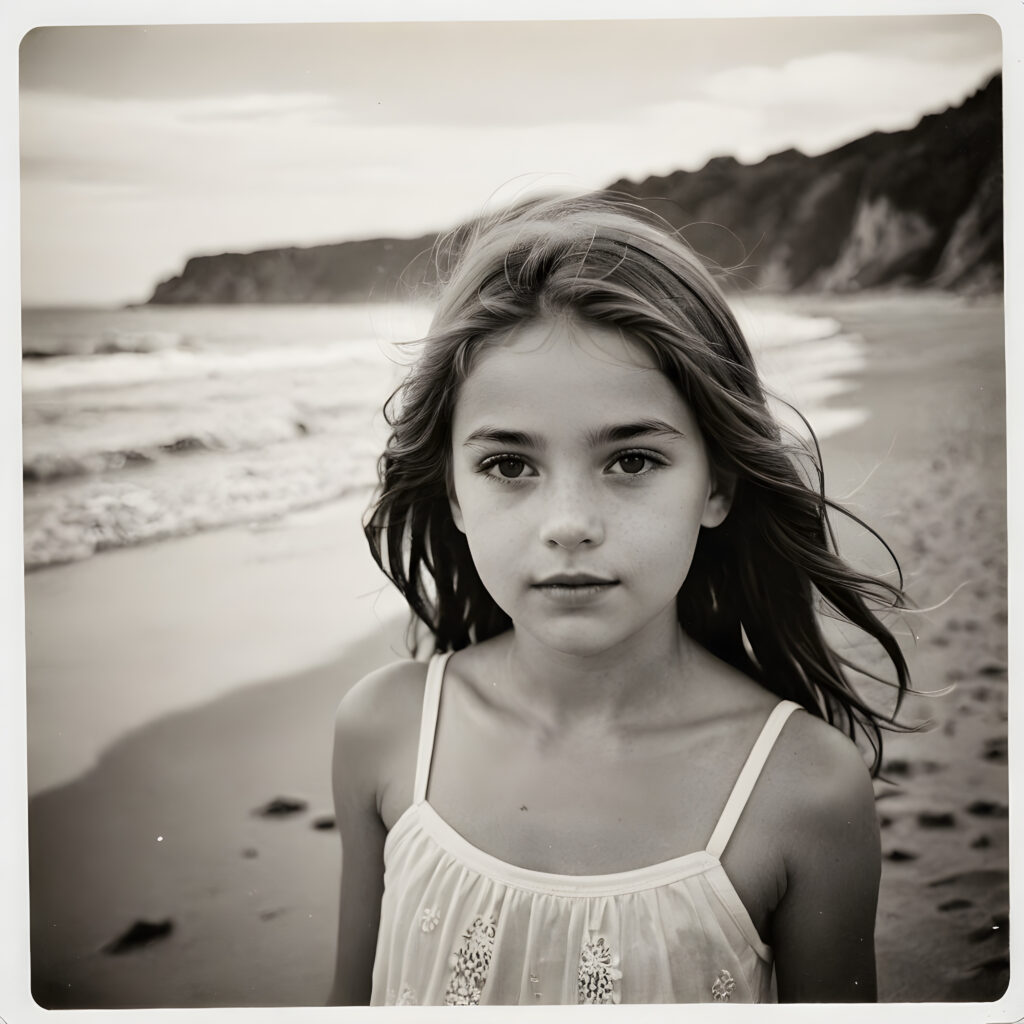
point(575, 580)
point(573, 592)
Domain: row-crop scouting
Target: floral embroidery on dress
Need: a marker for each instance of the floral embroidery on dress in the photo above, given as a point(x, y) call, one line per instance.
point(406, 997)
point(723, 986)
point(471, 963)
point(598, 973)
point(429, 919)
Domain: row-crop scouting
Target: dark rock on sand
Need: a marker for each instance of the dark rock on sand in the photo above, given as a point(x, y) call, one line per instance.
point(987, 809)
point(936, 819)
point(992, 669)
point(281, 807)
point(900, 855)
point(141, 933)
point(324, 823)
point(981, 843)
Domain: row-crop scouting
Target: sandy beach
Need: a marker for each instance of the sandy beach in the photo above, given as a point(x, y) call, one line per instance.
point(178, 688)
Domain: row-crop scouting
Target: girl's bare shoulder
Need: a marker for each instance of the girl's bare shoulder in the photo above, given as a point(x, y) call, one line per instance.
point(377, 725)
point(383, 698)
point(819, 782)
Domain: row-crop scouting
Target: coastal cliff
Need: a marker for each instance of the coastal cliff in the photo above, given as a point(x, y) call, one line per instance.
point(916, 208)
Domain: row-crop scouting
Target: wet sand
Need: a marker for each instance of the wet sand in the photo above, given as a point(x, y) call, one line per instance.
point(938, 497)
point(162, 829)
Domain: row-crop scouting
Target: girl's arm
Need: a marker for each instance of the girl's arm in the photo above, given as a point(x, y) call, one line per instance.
point(823, 928)
point(355, 778)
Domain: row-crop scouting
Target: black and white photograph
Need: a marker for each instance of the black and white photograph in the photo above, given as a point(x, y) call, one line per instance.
point(513, 510)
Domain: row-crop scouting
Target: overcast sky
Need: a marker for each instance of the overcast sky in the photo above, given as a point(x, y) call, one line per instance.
point(143, 146)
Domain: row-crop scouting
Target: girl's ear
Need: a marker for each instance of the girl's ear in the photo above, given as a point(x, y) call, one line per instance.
point(723, 487)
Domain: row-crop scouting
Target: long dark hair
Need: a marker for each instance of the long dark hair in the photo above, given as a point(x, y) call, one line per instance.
point(759, 581)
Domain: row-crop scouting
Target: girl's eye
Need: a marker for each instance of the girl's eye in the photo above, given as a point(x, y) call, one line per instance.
point(634, 464)
point(507, 467)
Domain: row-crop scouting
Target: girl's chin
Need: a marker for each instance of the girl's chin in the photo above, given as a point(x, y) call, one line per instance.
point(579, 640)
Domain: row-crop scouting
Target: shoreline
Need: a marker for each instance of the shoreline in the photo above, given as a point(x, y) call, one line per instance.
point(928, 467)
point(116, 641)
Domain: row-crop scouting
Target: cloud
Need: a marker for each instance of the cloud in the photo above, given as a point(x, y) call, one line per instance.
point(822, 100)
point(277, 107)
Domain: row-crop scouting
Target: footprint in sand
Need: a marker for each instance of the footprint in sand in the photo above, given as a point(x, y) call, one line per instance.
point(988, 809)
point(984, 879)
point(955, 904)
point(996, 965)
point(983, 982)
point(896, 766)
point(899, 766)
point(995, 749)
point(981, 843)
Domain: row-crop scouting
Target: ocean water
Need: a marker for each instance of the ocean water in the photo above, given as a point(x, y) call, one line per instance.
point(153, 422)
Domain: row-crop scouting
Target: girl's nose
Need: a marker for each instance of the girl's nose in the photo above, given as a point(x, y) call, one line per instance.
point(571, 521)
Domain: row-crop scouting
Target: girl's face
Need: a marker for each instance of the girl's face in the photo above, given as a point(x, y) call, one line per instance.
point(581, 481)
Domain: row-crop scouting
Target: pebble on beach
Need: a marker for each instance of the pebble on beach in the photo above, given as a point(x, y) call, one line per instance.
point(281, 807)
point(141, 933)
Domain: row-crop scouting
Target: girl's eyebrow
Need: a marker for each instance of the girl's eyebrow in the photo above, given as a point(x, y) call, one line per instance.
point(631, 431)
point(612, 434)
point(494, 435)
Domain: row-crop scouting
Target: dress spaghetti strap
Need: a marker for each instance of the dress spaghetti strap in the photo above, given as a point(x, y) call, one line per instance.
point(428, 724)
point(748, 776)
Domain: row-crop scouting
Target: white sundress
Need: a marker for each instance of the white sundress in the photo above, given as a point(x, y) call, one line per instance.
point(459, 926)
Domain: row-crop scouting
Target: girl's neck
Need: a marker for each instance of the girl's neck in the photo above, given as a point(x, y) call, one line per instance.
point(626, 684)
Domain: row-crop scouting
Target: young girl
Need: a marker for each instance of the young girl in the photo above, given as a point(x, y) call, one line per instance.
point(597, 789)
